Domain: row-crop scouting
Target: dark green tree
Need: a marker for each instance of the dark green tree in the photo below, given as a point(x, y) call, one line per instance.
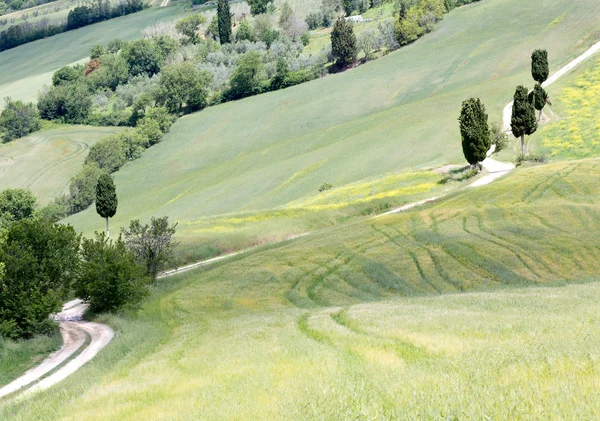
point(343, 43)
point(40, 263)
point(249, 76)
point(474, 131)
point(106, 198)
point(224, 17)
point(539, 66)
point(110, 278)
point(142, 57)
point(539, 98)
point(348, 7)
point(152, 244)
point(65, 75)
point(523, 121)
point(18, 119)
point(258, 7)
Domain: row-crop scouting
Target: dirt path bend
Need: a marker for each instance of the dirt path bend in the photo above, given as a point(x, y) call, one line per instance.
point(74, 331)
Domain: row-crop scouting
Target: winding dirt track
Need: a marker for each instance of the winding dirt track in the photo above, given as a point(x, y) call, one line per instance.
point(75, 331)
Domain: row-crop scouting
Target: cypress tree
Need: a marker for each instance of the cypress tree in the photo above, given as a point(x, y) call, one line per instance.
point(224, 18)
point(523, 121)
point(106, 198)
point(343, 43)
point(474, 131)
point(539, 98)
point(540, 69)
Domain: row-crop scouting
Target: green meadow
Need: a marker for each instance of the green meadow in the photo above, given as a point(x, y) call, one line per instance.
point(481, 305)
point(44, 162)
point(391, 116)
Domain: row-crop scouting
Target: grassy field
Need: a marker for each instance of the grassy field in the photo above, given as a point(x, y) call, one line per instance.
point(44, 162)
point(18, 356)
point(25, 69)
point(398, 115)
point(461, 310)
point(572, 132)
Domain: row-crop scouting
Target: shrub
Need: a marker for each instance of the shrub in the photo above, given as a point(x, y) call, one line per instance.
point(244, 32)
point(16, 204)
point(109, 154)
point(82, 189)
point(152, 244)
point(325, 187)
point(161, 116)
point(249, 76)
point(113, 71)
point(70, 103)
point(149, 131)
point(535, 158)
point(183, 84)
point(142, 57)
point(498, 137)
point(41, 262)
point(66, 75)
point(18, 119)
point(110, 276)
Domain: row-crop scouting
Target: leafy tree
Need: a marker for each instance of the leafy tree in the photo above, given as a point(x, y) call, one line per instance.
point(97, 51)
point(16, 204)
point(82, 188)
point(213, 29)
point(474, 131)
point(418, 19)
point(540, 69)
point(115, 45)
point(161, 116)
point(109, 154)
point(149, 131)
point(183, 84)
point(113, 71)
point(166, 45)
point(281, 73)
point(152, 244)
point(498, 137)
point(110, 277)
point(343, 43)
point(264, 31)
point(369, 41)
point(258, 7)
point(66, 75)
point(70, 103)
point(18, 119)
point(539, 98)
point(244, 32)
point(142, 57)
point(79, 17)
point(106, 198)
point(523, 121)
point(40, 263)
point(189, 27)
point(249, 76)
point(224, 19)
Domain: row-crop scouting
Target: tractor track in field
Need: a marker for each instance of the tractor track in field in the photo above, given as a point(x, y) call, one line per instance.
point(74, 330)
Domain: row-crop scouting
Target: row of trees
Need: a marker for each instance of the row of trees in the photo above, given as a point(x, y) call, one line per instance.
point(43, 263)
point(475, 131)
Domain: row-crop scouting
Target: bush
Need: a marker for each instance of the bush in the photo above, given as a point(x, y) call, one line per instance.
point(420, 19)
point(498, 137)
point(110, 278)
point(70, 103)
point(16, 204)
point(535, 158)
point(149, 131)
point(82, 189)
point(41, 262)
point(66, 75)
point(325, 187)
point(18, 119)
point(182, 84)
point(109, 154)
point(249, 76)
point(113, 71)
point(143, 57)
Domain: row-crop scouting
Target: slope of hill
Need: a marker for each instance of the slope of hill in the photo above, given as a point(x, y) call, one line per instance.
point(44, 162)
point(349, 323)
point(392, 115)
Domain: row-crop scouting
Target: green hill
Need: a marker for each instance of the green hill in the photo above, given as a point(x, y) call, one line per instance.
point(254, 159)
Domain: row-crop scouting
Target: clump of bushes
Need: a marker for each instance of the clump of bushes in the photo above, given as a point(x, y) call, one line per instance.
point(325, 187)
point(18, 119)
point(530, 157)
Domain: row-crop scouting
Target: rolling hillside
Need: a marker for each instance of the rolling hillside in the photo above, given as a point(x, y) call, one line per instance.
point(393, 115)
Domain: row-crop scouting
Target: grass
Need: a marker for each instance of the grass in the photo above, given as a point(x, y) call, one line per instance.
point(25, 69)
point(482, 305)
point(18, 356)
point(572, 131)
point(44, 162)
point(398, 115)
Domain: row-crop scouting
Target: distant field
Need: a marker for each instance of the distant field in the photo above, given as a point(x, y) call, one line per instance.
point(44, 162)
point(364, 321)
point(25, 69)
point(391, 116)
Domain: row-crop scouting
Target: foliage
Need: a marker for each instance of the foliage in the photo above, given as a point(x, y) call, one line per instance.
point(369, 41)
point(224, 21)
point(151, 244)
point(109, 154)
point(18, 120)
point(538, 97)
point(110, 277)
point(523, 121)
point(343, 43)
point(142, 57)
point(113, 71)
point(97, 51)
point(498, 137)
point(540, 69)
point(248, 77)
point(66, 74)
point(66, 103)
point(183, 84)
point(530, 157)
point(474, 131)
point(16, 204)
point(106, 197)
point(419, 20)
point(244, 32)
point(325, 187)
point(258, 7)
point(213, 29)
point(189, 27)
point(149, 131)
point(41, 262)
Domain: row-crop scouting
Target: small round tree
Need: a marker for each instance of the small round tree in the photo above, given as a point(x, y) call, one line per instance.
point(539, 98)
point(343, 43)
point(106, 198)
point(474, 131)
point(539, 66)
point(523, 121)
point(224, 19)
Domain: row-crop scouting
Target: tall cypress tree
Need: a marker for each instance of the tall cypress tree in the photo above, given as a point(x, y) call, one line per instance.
point(224, 18)
point(523, 121)
point(540, 70)
point(539, 98)
point(474, 131)
point(106, 198)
